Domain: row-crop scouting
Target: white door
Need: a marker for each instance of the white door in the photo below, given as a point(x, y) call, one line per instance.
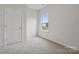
point(13, 26)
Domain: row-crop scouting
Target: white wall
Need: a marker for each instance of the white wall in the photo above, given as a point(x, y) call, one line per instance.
point(17, 7)
point(63, 24)
point(1, 26)
point(31, 23)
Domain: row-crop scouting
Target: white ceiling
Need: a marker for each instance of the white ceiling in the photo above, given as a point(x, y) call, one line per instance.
point(36, 6)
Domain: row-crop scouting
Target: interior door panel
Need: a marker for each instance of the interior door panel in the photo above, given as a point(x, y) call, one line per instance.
point(13, 26)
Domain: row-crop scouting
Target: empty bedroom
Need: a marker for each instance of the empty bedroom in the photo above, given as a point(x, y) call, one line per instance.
point(39, 28)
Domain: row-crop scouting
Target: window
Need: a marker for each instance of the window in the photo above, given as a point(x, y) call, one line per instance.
point(44, 22)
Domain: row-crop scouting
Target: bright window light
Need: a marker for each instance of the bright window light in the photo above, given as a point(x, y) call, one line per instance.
point(44, 22)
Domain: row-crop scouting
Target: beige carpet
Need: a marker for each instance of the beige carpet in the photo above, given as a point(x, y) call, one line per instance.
point(36, 46)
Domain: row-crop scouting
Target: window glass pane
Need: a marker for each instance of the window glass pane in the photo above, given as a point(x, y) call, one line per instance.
point(45, 23)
